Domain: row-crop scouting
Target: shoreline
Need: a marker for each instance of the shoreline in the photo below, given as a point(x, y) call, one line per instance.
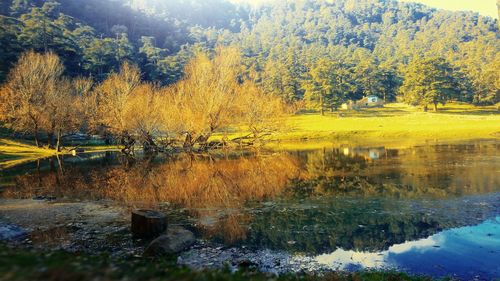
point(98, 231)
point(395, 124)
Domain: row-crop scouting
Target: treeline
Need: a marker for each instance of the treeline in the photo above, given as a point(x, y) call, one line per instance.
point(312, 53)
point(213, 95)
point(373, 44)
point(93, 37)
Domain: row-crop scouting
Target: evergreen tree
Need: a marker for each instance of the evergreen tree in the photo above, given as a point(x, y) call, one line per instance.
point(429, 82)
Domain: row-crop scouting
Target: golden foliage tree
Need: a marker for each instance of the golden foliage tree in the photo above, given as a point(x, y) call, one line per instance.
point(31, 87)
point(204, 101)
point(113, 97)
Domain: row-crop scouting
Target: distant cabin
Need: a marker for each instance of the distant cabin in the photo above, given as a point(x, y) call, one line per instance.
point(366, 102)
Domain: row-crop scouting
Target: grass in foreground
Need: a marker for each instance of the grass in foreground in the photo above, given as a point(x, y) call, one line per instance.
point(22, 264)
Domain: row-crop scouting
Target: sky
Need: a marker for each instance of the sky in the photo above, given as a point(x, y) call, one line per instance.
point(484, 7)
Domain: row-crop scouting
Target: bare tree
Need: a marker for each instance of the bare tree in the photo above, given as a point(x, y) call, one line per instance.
point(24, 97)
point(261, 113)
point(143, 117)
point(114, 95)
point(204, 101)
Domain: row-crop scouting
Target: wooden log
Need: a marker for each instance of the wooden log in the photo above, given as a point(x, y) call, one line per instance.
point(148, 224)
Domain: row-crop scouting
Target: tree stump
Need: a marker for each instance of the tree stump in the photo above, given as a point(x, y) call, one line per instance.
point(148, 224)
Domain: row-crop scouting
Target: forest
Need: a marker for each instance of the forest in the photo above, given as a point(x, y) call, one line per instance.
point(103, 60)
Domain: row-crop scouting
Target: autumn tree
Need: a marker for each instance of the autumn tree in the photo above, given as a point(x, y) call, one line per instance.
point(144, 115)
point(113, 97)
point(204, 101)
point(260, 112)
point(28, 92)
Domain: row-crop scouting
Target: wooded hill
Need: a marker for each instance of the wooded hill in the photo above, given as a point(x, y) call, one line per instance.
point(365, 44)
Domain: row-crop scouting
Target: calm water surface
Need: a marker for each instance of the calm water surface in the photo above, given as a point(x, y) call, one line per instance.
point(430, 209)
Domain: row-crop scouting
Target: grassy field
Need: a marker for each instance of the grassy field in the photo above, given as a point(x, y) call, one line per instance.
point(395, 123)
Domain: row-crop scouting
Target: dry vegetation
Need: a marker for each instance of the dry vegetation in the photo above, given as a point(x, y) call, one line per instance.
point(211, 97)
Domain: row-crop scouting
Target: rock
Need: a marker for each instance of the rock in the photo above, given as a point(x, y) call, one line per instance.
point(176, 240)
point(148, 224)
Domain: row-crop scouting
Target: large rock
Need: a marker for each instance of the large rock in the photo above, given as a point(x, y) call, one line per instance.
point(176, 240)
point(148, 224)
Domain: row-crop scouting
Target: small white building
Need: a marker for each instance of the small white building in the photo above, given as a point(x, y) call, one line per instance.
point(366, 102)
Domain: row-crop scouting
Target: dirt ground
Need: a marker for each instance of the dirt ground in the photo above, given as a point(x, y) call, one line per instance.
point(79, 226)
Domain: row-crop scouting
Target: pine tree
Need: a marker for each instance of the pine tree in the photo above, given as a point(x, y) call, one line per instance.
point(429, 82)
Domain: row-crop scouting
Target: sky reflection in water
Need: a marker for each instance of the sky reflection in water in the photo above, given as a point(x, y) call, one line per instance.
point(468, 252)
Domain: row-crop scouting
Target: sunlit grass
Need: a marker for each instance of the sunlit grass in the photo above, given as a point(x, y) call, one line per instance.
point(14, 152)
point(396, 122)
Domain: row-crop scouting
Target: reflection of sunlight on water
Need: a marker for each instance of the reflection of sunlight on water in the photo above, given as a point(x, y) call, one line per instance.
point(454, 251)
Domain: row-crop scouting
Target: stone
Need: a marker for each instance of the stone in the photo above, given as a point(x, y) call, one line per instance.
point(176, 240)
point(148, 224)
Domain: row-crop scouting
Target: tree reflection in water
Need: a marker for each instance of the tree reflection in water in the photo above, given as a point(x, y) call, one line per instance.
point(364, 199)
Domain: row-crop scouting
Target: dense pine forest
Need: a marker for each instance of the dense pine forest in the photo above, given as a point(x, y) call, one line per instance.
point(369, 46)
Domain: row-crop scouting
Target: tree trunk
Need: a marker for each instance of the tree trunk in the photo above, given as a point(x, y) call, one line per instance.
point(321, 101)
point(148, 224)
point(37, 142)
point(58, 144)
point(425, 108)
point(188, 142)
point(435, 107)
point(128, 141)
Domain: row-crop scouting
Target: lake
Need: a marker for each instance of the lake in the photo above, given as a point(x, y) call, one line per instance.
point(431, 209)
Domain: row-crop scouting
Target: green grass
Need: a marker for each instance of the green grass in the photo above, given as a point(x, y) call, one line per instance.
point(395, 123)
point(15, 152)
point(23, 264)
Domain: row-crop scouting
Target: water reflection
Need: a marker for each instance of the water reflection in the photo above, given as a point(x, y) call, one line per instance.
point(360, 199)
point(467, 252)
point(196, 184)
point(321, 225)
point(437, 171)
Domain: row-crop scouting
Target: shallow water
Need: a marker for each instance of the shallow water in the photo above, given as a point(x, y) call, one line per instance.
point(431, 209)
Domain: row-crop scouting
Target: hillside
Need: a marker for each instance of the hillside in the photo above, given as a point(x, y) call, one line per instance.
point(374, 39)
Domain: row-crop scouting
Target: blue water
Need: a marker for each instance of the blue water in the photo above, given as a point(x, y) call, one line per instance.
point(471, 252)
